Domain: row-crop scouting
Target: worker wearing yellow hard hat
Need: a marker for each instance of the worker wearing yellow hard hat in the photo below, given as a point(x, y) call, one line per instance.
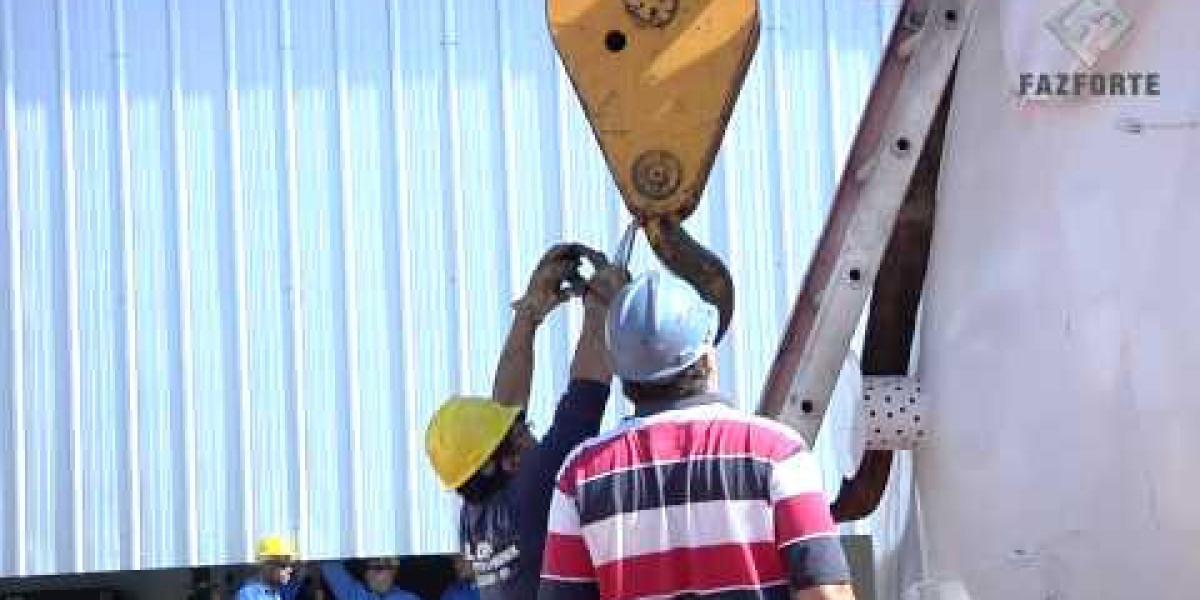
point(276, 557)
point(483, 449)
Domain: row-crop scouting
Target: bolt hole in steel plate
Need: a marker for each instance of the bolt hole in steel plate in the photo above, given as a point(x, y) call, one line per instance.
point(657, 174)
point(615, 41)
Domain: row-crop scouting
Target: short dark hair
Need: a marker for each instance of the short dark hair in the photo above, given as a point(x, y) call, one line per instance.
point(692, 381)
point(490, 478)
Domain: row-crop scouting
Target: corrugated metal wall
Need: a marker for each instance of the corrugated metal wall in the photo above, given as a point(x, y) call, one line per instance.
point(249, 246)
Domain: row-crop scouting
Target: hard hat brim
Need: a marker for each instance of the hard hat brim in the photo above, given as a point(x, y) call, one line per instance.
point(276, 557)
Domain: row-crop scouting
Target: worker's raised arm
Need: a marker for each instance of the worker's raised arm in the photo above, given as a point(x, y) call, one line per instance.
point(514, 370)
point(339, 579)
point(591, 361)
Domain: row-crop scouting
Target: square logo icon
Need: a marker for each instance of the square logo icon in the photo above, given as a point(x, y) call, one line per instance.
point(1088, 28)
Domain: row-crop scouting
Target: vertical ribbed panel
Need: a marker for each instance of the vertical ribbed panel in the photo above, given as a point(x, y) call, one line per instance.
point(12, 442)
point(249, 246)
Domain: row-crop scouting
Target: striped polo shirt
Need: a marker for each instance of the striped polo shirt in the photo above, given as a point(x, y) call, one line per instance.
point(696, 500)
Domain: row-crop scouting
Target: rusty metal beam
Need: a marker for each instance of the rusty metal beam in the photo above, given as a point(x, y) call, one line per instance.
point(891, 325)
point(902, 107)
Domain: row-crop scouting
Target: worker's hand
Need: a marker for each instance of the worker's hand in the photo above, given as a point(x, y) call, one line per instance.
point(604, 285)
point(553, 281)
point(591, 362)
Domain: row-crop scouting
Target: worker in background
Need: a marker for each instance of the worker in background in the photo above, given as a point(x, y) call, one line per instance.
point(377, 581)
point(276, 580)
point(463, 587)
point(673, 503)
point(483, 449)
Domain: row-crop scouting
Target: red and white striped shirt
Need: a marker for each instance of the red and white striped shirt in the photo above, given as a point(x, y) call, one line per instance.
point(698, 501)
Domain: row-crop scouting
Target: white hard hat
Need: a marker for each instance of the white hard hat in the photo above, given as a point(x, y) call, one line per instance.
point(657, 327)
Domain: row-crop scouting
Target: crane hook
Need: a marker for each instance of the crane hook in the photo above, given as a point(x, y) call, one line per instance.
point(658, 82)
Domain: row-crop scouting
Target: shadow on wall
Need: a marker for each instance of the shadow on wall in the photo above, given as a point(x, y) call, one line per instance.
point(425, 576)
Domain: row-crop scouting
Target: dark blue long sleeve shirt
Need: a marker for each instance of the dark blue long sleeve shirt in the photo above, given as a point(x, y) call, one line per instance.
point(504, 536)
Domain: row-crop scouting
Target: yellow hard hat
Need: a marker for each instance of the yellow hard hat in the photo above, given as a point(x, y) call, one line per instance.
point(463, 434)
point(275, 547)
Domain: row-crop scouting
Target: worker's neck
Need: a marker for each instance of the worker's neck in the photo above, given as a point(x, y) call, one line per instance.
point(648, 408)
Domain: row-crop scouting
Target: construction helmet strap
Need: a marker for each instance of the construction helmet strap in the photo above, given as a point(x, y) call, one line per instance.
point(486, 483)
point(489, 468)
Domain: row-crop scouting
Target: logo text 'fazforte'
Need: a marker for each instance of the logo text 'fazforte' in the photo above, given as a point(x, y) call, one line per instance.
point(1088, 28)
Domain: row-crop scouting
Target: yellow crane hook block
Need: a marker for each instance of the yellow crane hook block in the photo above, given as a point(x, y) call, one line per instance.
point(658, 80)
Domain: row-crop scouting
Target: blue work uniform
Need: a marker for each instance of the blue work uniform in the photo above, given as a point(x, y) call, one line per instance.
point(461, 591)
point(255, 589)
point(346, 587)
point(503, 537)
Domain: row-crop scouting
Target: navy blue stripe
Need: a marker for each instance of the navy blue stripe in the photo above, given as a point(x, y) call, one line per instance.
point(816, 561)
point(565, 590)
point(656, 486)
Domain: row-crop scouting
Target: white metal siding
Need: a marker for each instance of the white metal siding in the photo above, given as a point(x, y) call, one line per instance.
point(250, 245)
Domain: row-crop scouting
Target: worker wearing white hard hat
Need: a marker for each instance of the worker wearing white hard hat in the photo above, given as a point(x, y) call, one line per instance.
point(690, 496)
